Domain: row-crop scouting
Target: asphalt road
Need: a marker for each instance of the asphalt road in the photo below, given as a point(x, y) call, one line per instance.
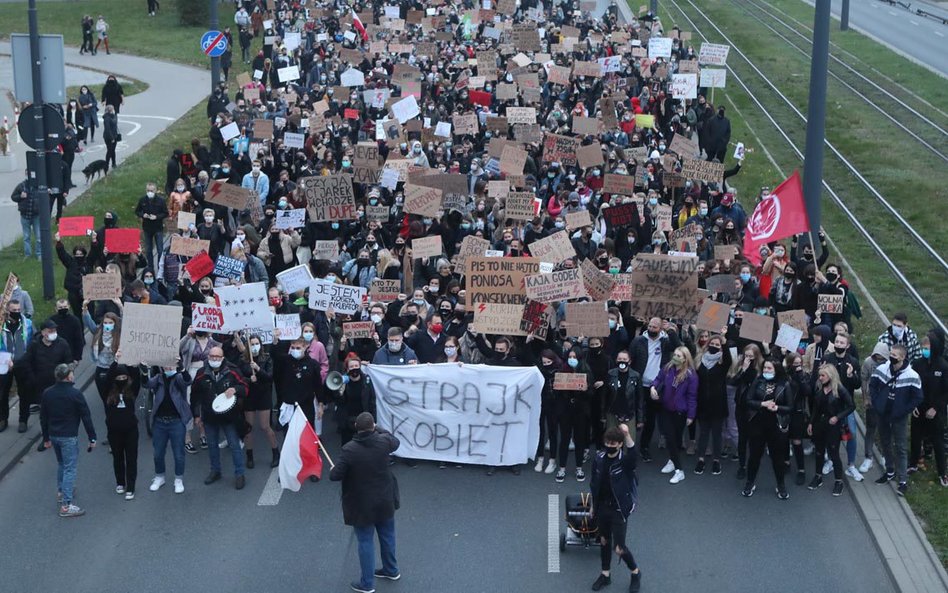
point(919, 38)
point(458, 530)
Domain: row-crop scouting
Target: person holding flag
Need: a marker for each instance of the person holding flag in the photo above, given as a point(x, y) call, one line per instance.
point(779, 215)
point(357, 24)
point(369, 498)
point(300, 457)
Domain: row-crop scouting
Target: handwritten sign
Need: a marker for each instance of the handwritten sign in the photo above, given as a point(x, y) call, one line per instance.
point(289, 326)
point(578, 220)
point(499, 318)
point(358, 329)
point(553, 249)
point(561, 149)
point(101, 287)
point(199, 266)
point(384, 290)
point(618, 184)
point(788, 337)
point(427, 246)
point(569, 382)
point(520, 206)
point(758, 328)
point(713, 53)
point(151, 334)
point(226, 194)
point(329, 197)
point(295, 279)
point(795, 318)
point(228, 267)
point(830, 303)
point(325, 295)
point(187, 246)
point(292, 218)
point(556, 286)
point(499, 279)
point(421, 200)
point(598, 283)
point(587, 319)
point(75, 226)
point(206, 317)
point(186, 219)
point(713, 316)
point(622, 216)
point(471, 246)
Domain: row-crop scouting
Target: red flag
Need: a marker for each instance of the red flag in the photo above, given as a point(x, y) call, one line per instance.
point(300, 456)
point(779, 215)
point(479, 98)
point(357, 23)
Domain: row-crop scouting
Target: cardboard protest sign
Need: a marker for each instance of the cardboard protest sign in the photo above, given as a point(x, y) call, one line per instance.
point(788, 337)
point(521, 115)
point(586, 126)
point(226, 194)
point(684, 86)
point(328, 197)
point(577, 220)
point(593, 69)
point(421, 200)
point(569, 382)
point(558, 74)
point(245, 306)
point(341, 298)
point(556, 286)
point(713, 53)
point(663, 217)
point(589, 155)
point(684, 146)
point(830, 303)
point(187, 246)
point(498, 318)
point(512, 160)
point(688, 67)
point(598, 283)
point(262, 129)
point(12, 282)
point(207, 318)
point(561, 149)
point(186, 219)
point(122, 240)
point(383, 290)
point(150, 334)
point(725, 252)
point(622, 290)
point(295, 278)
point(722, 284)
point(589, 320)
point(326, 250)
point(498, 189)
point(758, 328)
point(622, 215)
point(199, 266)
point(465, 124)
point(686, 238)
point(795, 318)
point(554, 248)
point(682, 312)
point(101, 287)
point(618, 184)
point(499, 279)
point(75, 226)
point(713, 316)
point(520, 205)
point(664, 278)
point(358, 329)
point(228, 267)
point(427, 246)
point(471, 246)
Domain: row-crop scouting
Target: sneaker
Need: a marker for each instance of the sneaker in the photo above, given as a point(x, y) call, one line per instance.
point(669, 467)
point(381, 574)
point(358, 588)
point(560, 475)
point(867, 464)
point(748, 490)
point(735, 456)
point(902, 489)
point(550, 467)
point(801, 478)
point(646, 456)
point(129, 495)
point(716, 467)
point(443, 465)
point(944, 481)
point(635, 584)
point(580, 475)
point(912, 469)
point(815, 483)
point(782, 493)
point(678, 476)
point(22, 427)
point(222, 444)
point(741, 473)
point(885, 477)
point(853, 473)
point(601, 581)
point(156, 483)
point(212, 477)
point(691, 448)
point(190, 448)
point(120, 489)
point(808, 449)
point(204, 442)
point(699, 467)
point(539, 466)
point(71, 511)
point(585, 456)
point(239, 482)
point(178, 485)
point(827, 466)
point(837, 488)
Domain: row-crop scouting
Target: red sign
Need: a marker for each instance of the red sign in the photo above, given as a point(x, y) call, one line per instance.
point(351, 113)
point(75, 226)
point(199, 266)
point(479, 98)
point(122, 240)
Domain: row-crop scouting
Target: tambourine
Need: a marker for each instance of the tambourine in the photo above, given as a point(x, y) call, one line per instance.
point(223, 404)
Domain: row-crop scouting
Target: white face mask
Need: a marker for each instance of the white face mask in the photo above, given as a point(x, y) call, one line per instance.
point(180, 188)
point(52, 337)
point(215, 364)
point(255, 349)
point(256, 169)
point(208, 219)
point(297, 354)
point(150, 194)
point(376, 318)
point(308, 336)
point(394, 346)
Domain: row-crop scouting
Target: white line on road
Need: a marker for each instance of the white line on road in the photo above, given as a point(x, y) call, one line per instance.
point(892, 12)
point(553, 533)
point(939, 33)
point(914, 23)
point(271, 491)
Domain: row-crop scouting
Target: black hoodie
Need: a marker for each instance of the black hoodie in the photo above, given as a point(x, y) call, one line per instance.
point(933, 371)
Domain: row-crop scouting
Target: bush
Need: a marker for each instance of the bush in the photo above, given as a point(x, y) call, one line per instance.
point(194, 13)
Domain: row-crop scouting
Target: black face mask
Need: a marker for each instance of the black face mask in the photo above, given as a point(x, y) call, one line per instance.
point(15, 315)
point(831, 277)
point(839, 350)
point(63, 311)
point(410, 318)
point(894, 362)
point(207, 291)
point(713, 349)
point(612, 451)
point(652, 334)
point(354, 374)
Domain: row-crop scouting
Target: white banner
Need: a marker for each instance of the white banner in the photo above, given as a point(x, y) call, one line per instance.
point(245, 307)
point(684, 86)
point(713, 53)
point(470, 413)
point(713, 78)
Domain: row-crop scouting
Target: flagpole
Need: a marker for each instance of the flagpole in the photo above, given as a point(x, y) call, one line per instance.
point(326, 453)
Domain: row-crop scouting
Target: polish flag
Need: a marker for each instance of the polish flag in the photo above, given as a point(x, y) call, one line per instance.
point(300, 456)
point(357, 23)
point(778, 216)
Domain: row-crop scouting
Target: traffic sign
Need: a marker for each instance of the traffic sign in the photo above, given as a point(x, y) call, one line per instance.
point(53, 126)
point(213, 44)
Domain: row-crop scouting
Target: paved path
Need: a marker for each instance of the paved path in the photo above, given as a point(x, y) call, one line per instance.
point(918, 38)
point(173, 89)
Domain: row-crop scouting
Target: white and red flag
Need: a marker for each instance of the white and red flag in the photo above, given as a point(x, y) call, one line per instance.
point(357, 23)
point(779, 215)
point(300, 456)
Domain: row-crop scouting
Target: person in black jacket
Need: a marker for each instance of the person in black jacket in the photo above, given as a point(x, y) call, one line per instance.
point(718, 136)
point(122, 425)
point(153, 211)
point(550, 364)
point(43, 355)
point(301, 383)
point(572, 409)
point(847, 367)
point(614, 495)
point(832, 402)
point(355, 397)
point(370, 497)
point(70, 329)
point(218, 377)
point(77, 265)
point(650, 352)
point(713, 364)
point(623, 402)
point(741, 377)
point(26, 197)
point(769, 402)
point(257, 366)
point(799, 415)
point(110, 134)
point(928, 419)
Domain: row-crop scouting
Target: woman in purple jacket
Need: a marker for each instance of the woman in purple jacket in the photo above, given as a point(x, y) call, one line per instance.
point(677, 388)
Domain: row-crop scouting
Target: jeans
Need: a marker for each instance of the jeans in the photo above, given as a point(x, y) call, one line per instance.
point(851, 443)
point(892, 438)
point(233, 443)
point(154, 241)
point(386, 531)
point(872, 423)
point(31, 230)
point(67, 456)
point(164, 430)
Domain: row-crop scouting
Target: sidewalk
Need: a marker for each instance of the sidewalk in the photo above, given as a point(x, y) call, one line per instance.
point(173, 89)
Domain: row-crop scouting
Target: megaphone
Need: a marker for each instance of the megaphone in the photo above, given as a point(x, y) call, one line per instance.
point(335, 381)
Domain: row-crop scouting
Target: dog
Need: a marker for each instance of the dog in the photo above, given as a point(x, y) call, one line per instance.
point(100, 166)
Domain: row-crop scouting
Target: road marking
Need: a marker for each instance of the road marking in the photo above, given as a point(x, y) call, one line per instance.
point(553, 533)
point(272, 491)
point(914, 23)
point(939, 33)
point(892, 12)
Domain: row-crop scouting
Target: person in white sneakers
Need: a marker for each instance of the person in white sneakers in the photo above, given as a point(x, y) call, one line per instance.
point(170, 417)
point(550, 364)
point(676, 387)
point(880, 354)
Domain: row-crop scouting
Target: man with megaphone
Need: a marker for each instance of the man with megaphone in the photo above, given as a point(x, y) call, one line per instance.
point(353, 394)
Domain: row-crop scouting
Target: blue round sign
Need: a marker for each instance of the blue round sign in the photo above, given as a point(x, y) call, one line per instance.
point(213, 44)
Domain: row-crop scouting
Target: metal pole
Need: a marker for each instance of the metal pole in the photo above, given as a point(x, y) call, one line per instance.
point(653, 6)
point(215, 62)
point(816, 116)
point(844, 17)
point(45, 239)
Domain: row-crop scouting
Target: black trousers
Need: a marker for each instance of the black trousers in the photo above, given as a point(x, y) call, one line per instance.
point(574, 423)
point(932, 431)
point(742, 429)
point(124, 444)
point(110, 152)
point(763, 432)
point(612, 530)
point(549, 428)
point(23, 390)
point(826, 438)
point(652, 408)
point(672, 425)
